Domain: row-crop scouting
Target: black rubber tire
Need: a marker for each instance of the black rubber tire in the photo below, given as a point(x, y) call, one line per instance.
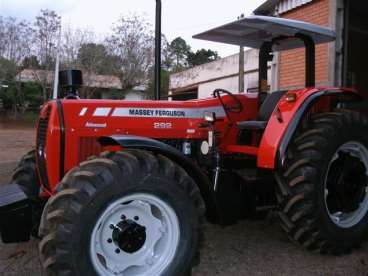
point(71, 214)
point(303, 212)
point(25, 175)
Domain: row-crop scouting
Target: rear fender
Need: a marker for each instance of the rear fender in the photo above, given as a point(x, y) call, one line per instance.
point(143, 143)
point(287, 117)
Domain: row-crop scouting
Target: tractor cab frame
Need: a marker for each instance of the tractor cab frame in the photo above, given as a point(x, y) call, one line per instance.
point(270, 34)
point(273, 34)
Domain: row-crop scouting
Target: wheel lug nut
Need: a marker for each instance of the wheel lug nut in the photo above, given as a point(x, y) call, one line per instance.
point(117, 250)
point(136, 218)
point(123, 217)
point(112, 226)
point(109, 240)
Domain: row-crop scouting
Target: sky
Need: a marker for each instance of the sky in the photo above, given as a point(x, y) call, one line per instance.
point(179, 18)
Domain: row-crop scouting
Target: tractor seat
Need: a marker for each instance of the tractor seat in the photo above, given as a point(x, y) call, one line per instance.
point(265, 112)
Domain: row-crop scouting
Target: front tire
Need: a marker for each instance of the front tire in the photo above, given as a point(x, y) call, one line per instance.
point(25, 175)
point(130, 212)
point(323, 187)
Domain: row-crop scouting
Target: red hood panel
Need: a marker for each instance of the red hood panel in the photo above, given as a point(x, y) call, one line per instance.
point(156, 119)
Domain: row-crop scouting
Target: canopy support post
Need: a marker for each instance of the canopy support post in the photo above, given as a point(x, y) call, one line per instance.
point(264, 57)
point(310, 59)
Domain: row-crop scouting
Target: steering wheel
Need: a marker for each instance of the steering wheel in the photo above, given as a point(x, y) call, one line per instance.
point(237, 108)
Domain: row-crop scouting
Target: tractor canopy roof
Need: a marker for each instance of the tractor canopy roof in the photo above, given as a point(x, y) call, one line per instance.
point(254, 30)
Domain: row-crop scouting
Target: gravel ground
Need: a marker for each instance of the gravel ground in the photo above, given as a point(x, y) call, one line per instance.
point(248, 248)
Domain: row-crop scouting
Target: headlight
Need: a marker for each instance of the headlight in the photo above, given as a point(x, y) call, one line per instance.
point(205, 148)
point(187, 148)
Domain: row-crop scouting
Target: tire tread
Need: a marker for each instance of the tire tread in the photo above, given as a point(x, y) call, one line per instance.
point(297, 211)
point(80, 185)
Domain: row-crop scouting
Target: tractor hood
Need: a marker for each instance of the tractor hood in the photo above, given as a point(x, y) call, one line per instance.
point(254, 30)
point(155, 119)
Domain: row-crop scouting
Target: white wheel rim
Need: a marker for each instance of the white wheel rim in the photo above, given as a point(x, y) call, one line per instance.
point(161, 238)
point(349, 219)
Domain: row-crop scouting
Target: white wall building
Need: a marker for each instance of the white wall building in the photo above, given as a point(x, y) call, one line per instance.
point(200, 81)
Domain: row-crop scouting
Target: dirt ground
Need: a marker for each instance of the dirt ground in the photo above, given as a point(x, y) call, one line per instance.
point(248, 248)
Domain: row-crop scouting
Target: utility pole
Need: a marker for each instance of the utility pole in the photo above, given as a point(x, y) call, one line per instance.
point(158, 52)
point(241, 64)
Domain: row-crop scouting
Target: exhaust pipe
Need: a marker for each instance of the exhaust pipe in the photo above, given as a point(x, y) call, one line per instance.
point(158, 52)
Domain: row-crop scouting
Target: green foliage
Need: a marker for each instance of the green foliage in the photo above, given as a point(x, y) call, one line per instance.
point(177, 56)
point(31, 62)
point(31, 116)
point(128, 52)
point(47, 26)
point(7, 96)
point(32, 95)
point(116, 95)
point(201, 57)
point(94, 58)
point(165, 80)
point(166, 55)
point(179, 50)
point(132, 41)
point(8, 70)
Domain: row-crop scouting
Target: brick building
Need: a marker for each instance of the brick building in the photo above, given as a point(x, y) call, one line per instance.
point(339, 63)
point(291, 72)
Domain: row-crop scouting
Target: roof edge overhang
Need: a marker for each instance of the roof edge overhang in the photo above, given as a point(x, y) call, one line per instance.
point(253, 31)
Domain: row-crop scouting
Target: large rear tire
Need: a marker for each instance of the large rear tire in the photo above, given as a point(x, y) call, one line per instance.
point(323, 187)
point(128, 212)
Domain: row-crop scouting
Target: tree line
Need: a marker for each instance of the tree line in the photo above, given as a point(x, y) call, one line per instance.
point(127, 52)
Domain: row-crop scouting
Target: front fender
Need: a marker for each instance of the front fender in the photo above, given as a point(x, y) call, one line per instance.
point(284, 122)
point(143, 143)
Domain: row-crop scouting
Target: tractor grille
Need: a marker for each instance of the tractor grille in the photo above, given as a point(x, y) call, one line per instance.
point(41, 146)
point(88, 146)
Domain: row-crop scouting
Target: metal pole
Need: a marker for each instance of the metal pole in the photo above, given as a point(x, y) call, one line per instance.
point(241, 64)
point(241, 69)
point(158, 51)
point(264, 57)
point(56, 76)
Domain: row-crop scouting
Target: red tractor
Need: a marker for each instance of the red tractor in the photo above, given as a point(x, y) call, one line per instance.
point(124, 188)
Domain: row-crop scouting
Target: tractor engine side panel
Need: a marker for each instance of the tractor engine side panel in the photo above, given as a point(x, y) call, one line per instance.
point(85, 121)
